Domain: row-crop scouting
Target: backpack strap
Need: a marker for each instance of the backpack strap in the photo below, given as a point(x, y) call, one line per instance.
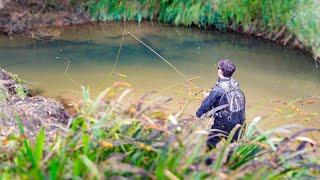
point(214, 110)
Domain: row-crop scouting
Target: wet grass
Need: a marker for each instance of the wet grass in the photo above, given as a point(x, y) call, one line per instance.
point(287, 22)
point(113, 138)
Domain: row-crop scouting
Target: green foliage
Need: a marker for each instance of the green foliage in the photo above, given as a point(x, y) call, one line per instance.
point(270, 14)
point(103, 141)
point(299, 17)
point(305, 24)
point(17, 79)
point(39, 147)
point(219, 162)
point(20, 90)
point(185, 12)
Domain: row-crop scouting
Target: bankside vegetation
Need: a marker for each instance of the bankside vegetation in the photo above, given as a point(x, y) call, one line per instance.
point(113, 138)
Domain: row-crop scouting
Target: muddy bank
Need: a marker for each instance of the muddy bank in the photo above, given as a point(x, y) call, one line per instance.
point(24, 17)
point(34, 112)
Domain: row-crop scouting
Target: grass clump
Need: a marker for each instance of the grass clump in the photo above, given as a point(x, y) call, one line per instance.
point(292, 22)
point(111, 138)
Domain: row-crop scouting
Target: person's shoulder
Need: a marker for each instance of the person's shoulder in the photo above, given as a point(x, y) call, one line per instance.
point(218, 89)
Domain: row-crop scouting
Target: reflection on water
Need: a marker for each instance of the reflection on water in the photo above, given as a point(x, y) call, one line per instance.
point(265, 71)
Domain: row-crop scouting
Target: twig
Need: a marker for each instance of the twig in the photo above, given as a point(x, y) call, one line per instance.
point(280, 33)
point(154, 106)
point(142, 99)
point(57, 126)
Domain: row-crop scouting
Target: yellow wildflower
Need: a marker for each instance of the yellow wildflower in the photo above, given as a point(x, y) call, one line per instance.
point(106, 144)
point(277, 110)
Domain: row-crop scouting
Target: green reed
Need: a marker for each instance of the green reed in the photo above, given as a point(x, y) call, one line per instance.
point(108, 138)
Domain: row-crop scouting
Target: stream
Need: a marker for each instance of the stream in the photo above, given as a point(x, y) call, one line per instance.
point(270, 75)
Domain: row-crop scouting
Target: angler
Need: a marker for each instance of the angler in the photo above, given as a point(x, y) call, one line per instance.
point(225, 103)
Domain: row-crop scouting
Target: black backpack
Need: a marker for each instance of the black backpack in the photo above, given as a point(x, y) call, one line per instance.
point(233, 101)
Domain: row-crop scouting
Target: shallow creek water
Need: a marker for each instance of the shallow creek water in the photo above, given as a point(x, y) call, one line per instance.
point(270, 75)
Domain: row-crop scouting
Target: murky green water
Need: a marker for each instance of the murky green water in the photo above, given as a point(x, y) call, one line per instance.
point(269, 75)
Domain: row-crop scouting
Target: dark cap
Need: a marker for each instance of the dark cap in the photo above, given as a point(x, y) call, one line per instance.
point(227, 67)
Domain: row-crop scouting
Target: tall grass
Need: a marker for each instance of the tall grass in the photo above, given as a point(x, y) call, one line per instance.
point(111, 138)
point(284, 21)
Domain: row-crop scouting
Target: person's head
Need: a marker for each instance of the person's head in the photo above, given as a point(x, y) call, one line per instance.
point(226, 68)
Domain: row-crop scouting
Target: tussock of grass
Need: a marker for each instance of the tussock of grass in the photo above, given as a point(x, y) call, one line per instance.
point(111, 138)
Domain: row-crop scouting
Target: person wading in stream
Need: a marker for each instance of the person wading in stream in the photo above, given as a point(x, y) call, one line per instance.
point(225, 103)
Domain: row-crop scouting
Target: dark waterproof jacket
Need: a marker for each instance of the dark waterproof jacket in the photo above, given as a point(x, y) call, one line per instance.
point(213, 101)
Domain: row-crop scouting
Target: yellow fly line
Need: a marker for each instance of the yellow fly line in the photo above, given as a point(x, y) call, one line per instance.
point(162, 58)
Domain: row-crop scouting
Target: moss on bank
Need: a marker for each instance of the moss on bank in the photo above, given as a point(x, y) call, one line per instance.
point(294, 22)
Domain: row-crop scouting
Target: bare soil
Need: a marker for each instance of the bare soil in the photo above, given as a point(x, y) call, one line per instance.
point(25, 16)
point(33, 112)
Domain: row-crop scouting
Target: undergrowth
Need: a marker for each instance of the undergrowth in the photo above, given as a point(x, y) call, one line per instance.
point(112, 138)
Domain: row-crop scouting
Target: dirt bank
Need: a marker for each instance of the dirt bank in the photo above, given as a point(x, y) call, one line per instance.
point(25, 16)
point(34, 112)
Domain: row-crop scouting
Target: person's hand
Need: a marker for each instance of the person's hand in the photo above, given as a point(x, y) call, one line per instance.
point(205, 94)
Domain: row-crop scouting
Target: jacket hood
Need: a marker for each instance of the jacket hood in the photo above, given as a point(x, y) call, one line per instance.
point(228, 83)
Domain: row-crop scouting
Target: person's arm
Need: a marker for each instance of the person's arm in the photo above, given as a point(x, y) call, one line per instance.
point(208, 102)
